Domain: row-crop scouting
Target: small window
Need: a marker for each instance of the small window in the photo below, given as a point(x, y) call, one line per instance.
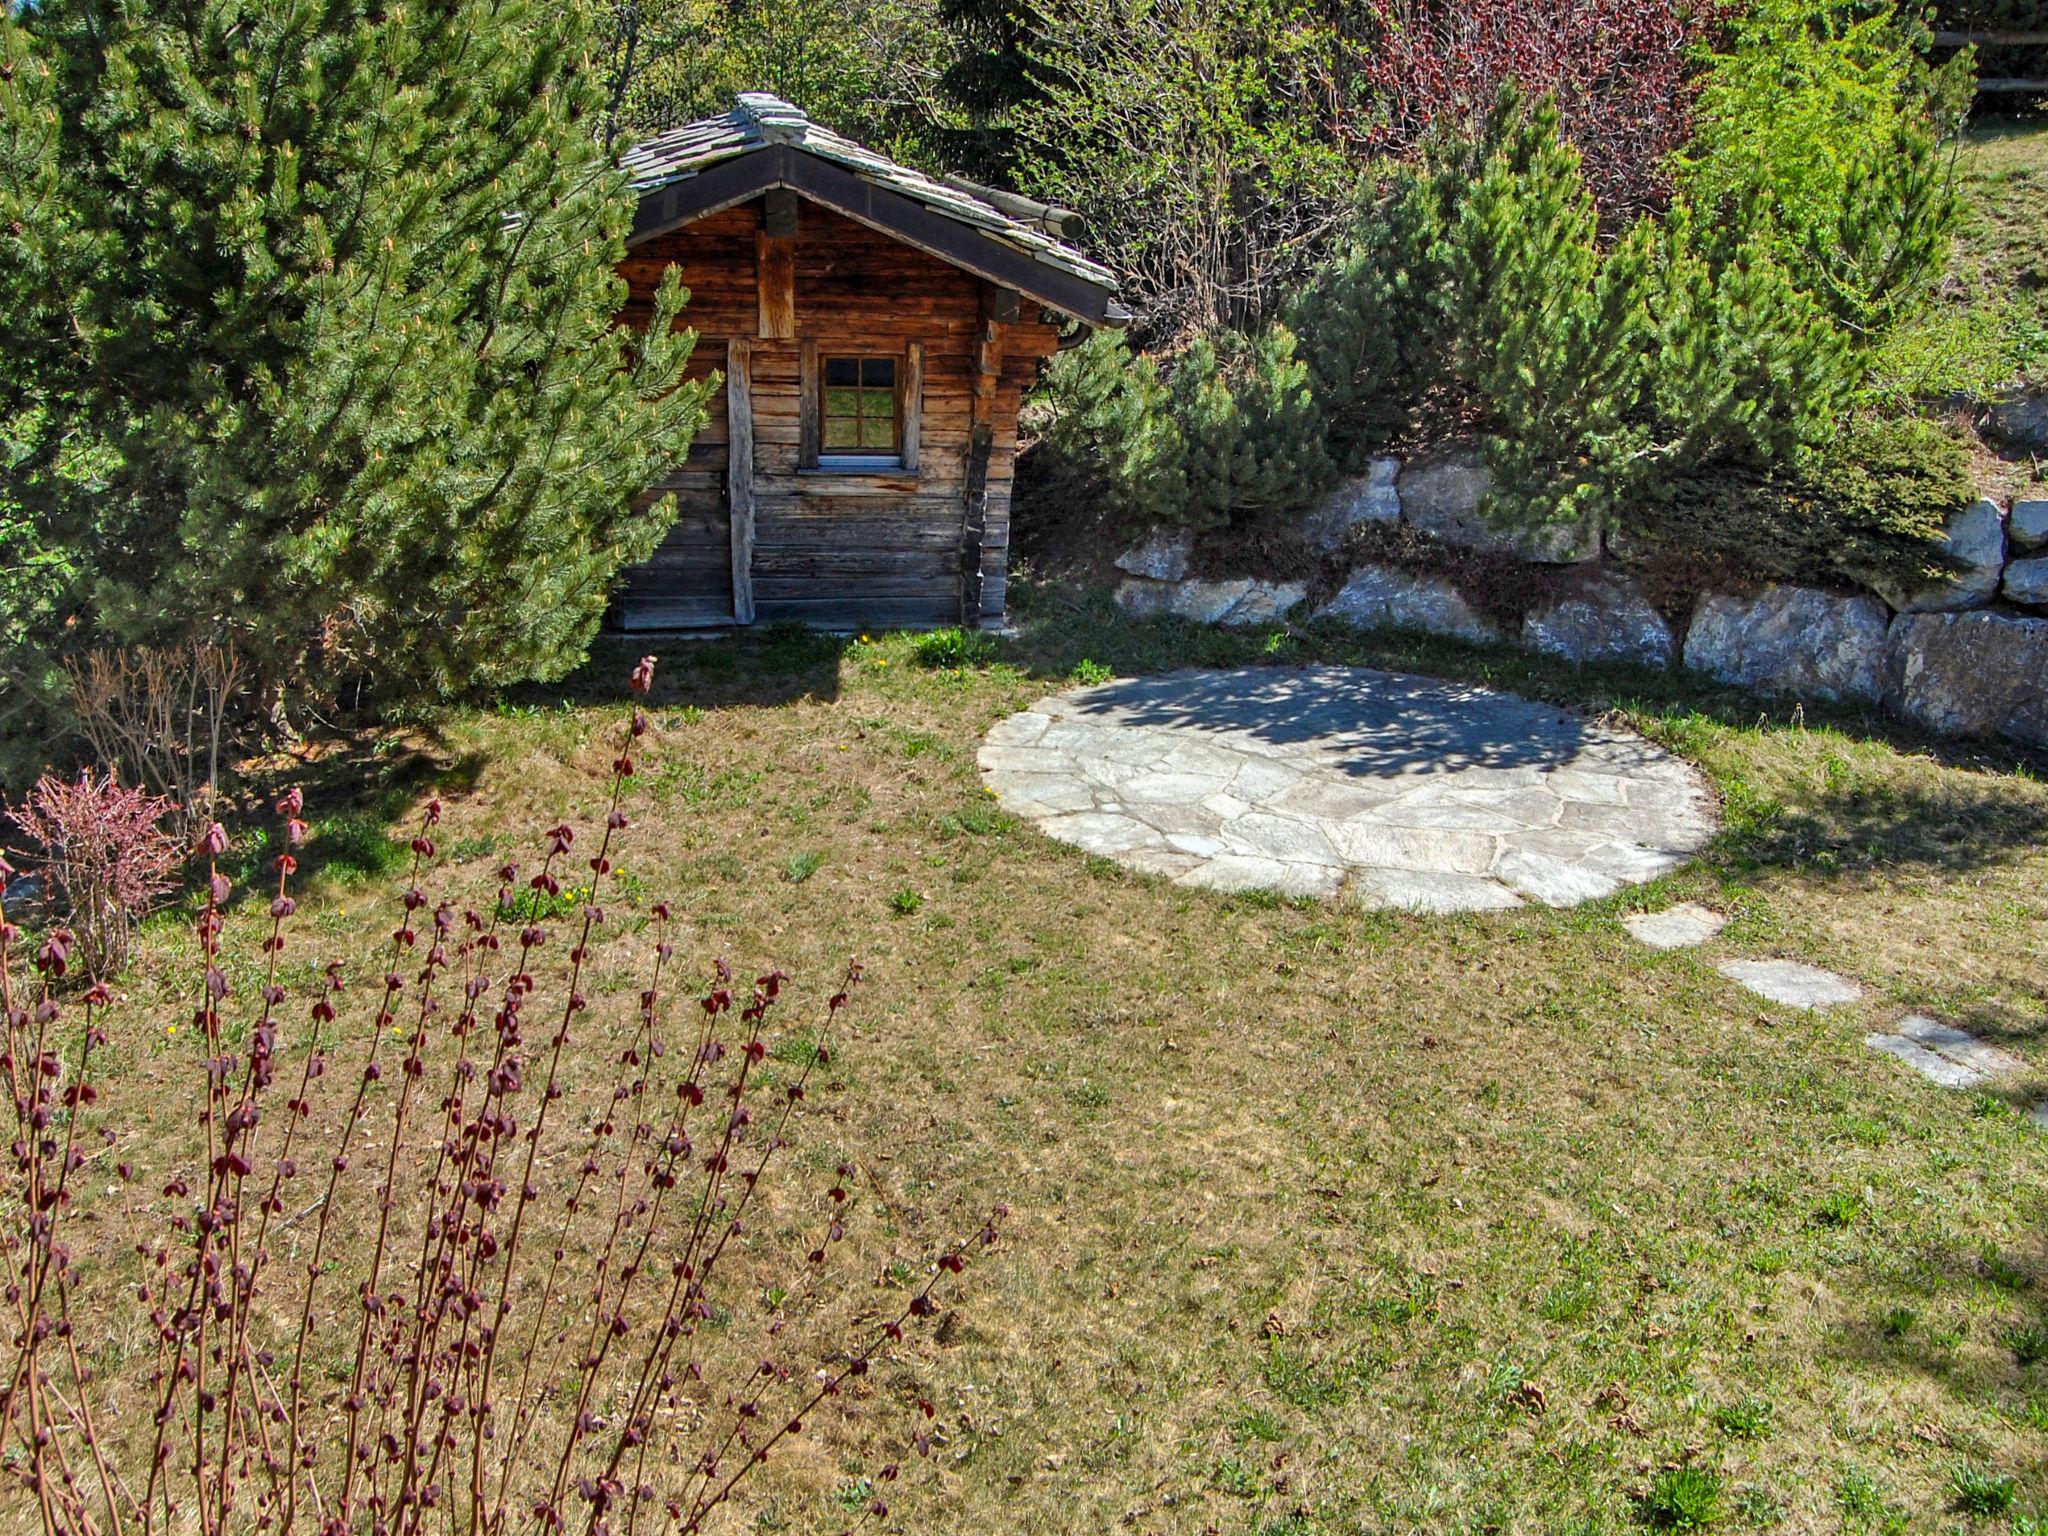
point(860, 415)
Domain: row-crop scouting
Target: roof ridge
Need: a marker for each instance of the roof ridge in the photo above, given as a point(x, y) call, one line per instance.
point(779, 121)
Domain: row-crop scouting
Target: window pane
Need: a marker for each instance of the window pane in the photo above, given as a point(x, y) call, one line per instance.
point(878, 404)
point(878, 434)
point(842, 370)
point(842, 432)
point(878, 372)
point(842, 402)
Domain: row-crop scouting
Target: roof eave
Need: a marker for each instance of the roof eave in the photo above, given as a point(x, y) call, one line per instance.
point(740, 177)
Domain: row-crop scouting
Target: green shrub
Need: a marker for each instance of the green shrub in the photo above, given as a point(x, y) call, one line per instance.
point(1233, 435)
point(1817, 127)
point(1481, 292)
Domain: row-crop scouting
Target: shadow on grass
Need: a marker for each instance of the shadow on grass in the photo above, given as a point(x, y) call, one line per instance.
point(357, 791)
point(775, 664)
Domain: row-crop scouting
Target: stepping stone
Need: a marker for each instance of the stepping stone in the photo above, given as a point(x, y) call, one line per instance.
point(1958, 1046)
point(1679, 927)
point(1791, 983)
point(1949, 1056)
point(1930, 1065)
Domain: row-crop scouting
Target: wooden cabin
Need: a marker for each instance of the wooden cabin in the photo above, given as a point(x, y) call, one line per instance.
point(877, 331)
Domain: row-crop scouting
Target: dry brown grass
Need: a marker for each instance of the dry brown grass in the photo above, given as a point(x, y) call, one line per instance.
point(1326, 1220)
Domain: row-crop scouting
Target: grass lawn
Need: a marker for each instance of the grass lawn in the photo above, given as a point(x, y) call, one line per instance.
point(1324, 1220)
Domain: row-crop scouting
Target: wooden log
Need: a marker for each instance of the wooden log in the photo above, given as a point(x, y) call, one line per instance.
point(739, 411)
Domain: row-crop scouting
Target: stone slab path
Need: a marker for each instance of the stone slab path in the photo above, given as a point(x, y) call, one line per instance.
point(1413, 793)
point(1941, 1053)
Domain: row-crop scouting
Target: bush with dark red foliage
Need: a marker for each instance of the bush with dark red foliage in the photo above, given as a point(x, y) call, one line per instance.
point(484, 1315)
point(1621, 71)
point(102, 851)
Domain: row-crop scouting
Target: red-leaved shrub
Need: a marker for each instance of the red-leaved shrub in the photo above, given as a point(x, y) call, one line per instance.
point(102, 850)
point(1621, 71)
point(487, 1313)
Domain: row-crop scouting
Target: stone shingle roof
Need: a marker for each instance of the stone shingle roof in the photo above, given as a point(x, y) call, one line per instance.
point(760, 120)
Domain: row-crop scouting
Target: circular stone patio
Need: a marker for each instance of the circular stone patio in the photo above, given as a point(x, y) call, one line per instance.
point(1410, 792)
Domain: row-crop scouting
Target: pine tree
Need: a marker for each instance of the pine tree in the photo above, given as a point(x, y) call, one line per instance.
point(996, 71)
point(338, 373)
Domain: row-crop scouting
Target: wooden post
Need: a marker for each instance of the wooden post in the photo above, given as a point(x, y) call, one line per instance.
point(808, 403)
point(981, 437)
point(913, 403)
point(739, 472)
point(775, 264)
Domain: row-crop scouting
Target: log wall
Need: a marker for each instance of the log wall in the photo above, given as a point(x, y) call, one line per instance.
point(890, 548)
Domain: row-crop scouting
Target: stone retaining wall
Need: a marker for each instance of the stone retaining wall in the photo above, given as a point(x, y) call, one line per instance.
point(1964, 656)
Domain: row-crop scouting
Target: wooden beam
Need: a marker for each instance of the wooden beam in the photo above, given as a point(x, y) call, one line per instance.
point(775, 267)
point(981, 439)
point(739, 472)
point(779, 211)
point(808, 401)
point(913, 403)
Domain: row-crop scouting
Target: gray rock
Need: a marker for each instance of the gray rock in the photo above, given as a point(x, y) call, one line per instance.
point(1976, 543)
point(1383, 597)
point(1243, 600)
point(1970, 674)
point(1265, 602)
point(1442, 493)
point(1366, 498)
point(1608, 620)
point(1679, 927)
point(1791, 983)
point(2028, 528)
point(1162, 557)
point(1791, 640)
point(2022, 419)
point(2026, 582)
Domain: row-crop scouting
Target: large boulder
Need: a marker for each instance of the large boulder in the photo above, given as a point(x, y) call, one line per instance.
point(1975, 542)
point(1366, 498)
point(1606, 620)
point(1384, 597)
point(2026, 582)
point(1240, 601)
point(1441, 494)
point(1970, 674)
point(1790, 640)
point(2028, 528)
point(2022, 419)
point(1162, 557)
